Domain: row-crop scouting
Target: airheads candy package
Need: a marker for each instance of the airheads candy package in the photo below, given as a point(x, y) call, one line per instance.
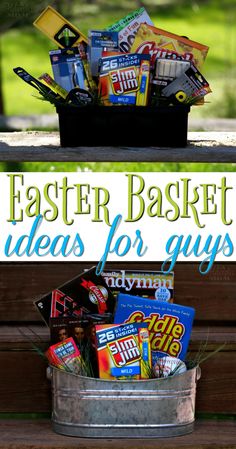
point(162, 44)
point(128, 27)
point(121, 81)
point(169, 325)
point(148, 284)
point(123, 351)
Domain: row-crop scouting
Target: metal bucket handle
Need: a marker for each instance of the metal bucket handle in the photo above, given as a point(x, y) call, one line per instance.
point(49, 373)
point(198, 373)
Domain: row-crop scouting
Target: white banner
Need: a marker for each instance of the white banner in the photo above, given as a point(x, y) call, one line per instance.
point(101, 217)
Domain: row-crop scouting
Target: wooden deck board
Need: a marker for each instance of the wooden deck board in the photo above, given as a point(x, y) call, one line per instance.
point(38, 434)
point(45, 146)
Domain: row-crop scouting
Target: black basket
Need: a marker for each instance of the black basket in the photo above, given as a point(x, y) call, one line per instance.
point(139, 126)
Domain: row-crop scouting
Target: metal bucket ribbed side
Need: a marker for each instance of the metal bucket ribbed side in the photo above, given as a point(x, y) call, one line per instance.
point(87, 407)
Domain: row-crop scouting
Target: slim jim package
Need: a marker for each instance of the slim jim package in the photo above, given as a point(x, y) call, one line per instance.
point(169, 325)
point(162, 44)
point(121, 80)
point(123, 351)
point(148, 284)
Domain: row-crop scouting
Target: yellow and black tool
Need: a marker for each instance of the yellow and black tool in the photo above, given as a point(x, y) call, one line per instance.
point(181, 96)
point(58, 29)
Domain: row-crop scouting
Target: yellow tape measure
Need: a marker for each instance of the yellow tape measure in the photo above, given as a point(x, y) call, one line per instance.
point(181, 96)
point(58, 29)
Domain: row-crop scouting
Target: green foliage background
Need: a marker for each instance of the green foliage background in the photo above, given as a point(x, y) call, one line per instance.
point(211, 22)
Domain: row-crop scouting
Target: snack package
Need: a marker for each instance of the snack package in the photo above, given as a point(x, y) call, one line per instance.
point(188, 88)
point(167, 70)
point(128, 26)
point(85, 294)
point(120, 81)
point(169, 325)
point(123, 351)
point(99, 41)
point(65, 355)
point(148, 284)
point(162, 44)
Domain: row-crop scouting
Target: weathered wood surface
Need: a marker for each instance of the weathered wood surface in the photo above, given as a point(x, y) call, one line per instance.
point(44, 146)
point(212, 295)
point(20, 335)
point(38, 434)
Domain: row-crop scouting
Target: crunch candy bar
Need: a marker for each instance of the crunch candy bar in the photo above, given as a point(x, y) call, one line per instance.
point(162, 44)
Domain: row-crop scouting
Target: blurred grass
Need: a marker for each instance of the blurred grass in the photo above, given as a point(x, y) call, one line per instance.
point(116, 167)
point(210, 22)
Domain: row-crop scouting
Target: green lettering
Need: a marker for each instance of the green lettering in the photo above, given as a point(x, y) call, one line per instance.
point(34, 201)
point(169, 198)
point(187, 203)
point(15, 196)
point(54, 209)
point(82, 198)
point(136, 194)
point(157, 201)
point(99, 203)
point(207, 198)
point(224, 189)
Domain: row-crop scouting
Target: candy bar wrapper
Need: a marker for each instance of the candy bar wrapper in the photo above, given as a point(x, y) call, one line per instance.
point(128, 26)
point(65, 355)
point(162, 44)
point(85, 294)
point(169, 325)
point(148, 284)
point(121, 82)
point(123, 351)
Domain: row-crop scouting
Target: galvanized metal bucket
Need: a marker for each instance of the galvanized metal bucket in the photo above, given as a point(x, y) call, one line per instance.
point(87, 407)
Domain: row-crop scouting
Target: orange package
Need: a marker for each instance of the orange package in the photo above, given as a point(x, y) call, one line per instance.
point(162, 44)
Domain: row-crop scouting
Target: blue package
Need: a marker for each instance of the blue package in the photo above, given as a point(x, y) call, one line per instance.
point(67, 68)
point(100, 40)
point(169, 324)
